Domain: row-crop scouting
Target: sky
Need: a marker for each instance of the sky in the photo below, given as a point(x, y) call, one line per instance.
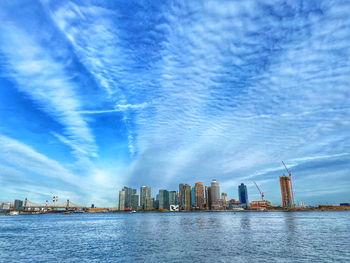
point(95, 95)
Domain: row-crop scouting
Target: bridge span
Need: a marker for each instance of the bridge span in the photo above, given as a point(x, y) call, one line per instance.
point(68, 205)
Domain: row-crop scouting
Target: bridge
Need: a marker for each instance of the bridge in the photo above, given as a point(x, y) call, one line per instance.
point(68, 205)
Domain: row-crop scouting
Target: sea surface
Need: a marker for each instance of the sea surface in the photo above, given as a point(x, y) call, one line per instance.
point(177, 237)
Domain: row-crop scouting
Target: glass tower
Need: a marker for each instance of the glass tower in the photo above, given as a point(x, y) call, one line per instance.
point(243, 194)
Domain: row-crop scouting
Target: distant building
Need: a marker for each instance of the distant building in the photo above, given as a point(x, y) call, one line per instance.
point(177, 199)
point(172, 198)
point(18, 205)
point(243, 195)
point(215, 191)
point(149, 203)
point(208, 197)
point(126, 198)
point(156, 202)
point(122, 200)
point(235, 204)
point(224, 197)
point(185, 197)
point(145, 192)
point(263, 204)
point(5, 206)
point(344, 204)
point(199, 195)
point(193, 197)
point(134, 202)
point(286, 192)
point(128, 193)
point(163, 198)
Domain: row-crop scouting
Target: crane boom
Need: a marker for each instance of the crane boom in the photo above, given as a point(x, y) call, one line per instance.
point(261, 193)
point(289, 173)
point(291, 187)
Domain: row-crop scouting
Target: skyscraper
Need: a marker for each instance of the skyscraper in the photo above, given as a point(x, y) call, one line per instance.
point(172, 198)
point(185, 197)
point(125, 198)
point(145, 192)
point(286, 192)
point(199, 195)
point(243, 195)
point(208, 197)
point(149, 203)
point(134, 202)
point(215, 191)
point(122, 200)
point(193, 197)
point(128, 192)
point(163, 198)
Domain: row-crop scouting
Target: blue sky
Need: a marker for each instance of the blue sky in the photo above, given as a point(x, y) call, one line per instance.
point(95, 95)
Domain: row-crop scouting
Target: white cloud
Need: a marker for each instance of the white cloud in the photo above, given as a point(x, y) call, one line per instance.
point(45, 81)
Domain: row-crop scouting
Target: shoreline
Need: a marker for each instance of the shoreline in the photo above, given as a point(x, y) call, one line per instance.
point(156, 211)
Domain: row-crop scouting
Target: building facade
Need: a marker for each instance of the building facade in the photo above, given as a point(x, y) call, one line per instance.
point(208, 197)
point(185, 197)
point(18, 205)
point(215, 191)
point(199, 195)
point(145, 192)
point(163, 199)
point(224, 197)
point(193, 197)
point(172, 198)
point(134, 202)
point(122, 200)
point(149, 204)
point(286, 192)
point(243, 195)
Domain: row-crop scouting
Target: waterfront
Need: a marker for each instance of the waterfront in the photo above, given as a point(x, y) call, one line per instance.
point(176, 237)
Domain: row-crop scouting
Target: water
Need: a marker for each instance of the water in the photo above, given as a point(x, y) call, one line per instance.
point(176, 237)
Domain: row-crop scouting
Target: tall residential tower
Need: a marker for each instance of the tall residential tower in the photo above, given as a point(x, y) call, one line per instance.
point(286, 192)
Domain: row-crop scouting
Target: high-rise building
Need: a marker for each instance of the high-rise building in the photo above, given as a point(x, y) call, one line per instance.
point(149, 203)
point(243, 195)
point(193, 197)
point(172, 198)
point(128, 193)
point(185, 197)
point(134, 201)
point(125, 198)
point(199, 195)
point(286, 192)
point(122, 200)
point(208, 197)
point(145, 192)
point(163, 198)
point(215, 191)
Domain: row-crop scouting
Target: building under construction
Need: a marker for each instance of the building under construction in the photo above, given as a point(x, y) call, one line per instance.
point(286, 192)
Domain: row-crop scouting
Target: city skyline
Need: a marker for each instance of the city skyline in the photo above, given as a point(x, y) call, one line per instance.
point(95, 96)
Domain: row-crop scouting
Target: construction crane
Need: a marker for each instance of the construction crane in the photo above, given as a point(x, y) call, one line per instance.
point(261, 193)
point(290, 180)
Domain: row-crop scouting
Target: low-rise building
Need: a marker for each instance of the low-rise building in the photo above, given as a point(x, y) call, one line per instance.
point(263, 204)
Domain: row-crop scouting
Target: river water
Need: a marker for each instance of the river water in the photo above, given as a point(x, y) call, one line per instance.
point(177, 237)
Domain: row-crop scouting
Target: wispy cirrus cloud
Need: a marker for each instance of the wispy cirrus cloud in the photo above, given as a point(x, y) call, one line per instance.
point(45, 80)
point(117, 108)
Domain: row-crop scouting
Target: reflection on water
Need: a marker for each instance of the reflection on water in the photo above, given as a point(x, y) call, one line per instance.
point(177, 237)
